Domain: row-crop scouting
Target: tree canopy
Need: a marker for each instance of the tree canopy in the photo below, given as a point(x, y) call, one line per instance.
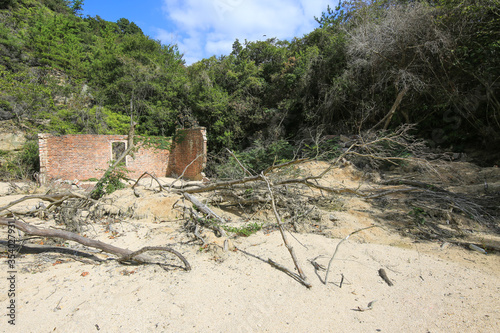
point(368, 65)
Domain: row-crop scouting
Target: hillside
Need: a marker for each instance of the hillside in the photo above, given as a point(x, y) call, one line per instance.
point(434, 64)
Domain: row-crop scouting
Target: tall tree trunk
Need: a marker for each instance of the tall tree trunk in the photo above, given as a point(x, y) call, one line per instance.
point(388, 117)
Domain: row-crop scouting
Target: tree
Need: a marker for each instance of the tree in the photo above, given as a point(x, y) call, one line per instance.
point(76, 7)
point(474, 66)
point(5, 4)
point(127, 27)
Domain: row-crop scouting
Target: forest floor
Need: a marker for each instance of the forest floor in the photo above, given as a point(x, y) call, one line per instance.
point(440, 284)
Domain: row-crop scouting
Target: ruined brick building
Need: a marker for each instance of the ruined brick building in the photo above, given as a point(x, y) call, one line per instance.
point(87, 156)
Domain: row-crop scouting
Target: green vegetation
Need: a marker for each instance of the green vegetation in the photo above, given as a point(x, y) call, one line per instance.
point(369, 65)
point(110, 182)
point(23, 165)
point(245, 230)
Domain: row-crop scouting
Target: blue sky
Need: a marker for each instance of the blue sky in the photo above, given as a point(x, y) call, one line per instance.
point(203, 28)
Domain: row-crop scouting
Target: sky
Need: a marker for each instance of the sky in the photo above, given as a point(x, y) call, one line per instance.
point(203, 28)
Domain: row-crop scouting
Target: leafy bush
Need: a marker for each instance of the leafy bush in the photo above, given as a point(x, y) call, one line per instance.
point(256, 159)
point(324, 150)
point(110, 182)
point(23, 165)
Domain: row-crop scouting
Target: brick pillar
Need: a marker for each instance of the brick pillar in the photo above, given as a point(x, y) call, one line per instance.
point(189, 153)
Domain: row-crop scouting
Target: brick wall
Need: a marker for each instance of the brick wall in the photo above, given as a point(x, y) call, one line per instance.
point(189, 148)
point(85, 156)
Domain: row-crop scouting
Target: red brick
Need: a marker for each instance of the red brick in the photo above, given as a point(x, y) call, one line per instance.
point(87, 156)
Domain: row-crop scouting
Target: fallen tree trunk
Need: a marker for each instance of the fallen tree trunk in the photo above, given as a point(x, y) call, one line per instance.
point(204, 209)
point(123, 254)
point(53, 198)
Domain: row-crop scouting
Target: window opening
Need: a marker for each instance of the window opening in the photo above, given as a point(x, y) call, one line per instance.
point(117, 148)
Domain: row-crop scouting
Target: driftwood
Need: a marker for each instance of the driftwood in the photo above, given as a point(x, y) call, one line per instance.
point(54, 199)
point(337, 248)
point(207, 211)
point(301, 276)
point(123, 254)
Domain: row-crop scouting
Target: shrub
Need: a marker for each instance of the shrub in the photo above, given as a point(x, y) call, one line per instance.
point(109, 182)
point(324, 150)
point(22, 165)
point(257, 158)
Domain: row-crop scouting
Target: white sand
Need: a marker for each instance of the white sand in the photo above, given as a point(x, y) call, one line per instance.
point(436, 289)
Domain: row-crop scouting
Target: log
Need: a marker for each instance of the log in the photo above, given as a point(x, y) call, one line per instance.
point(123, 254)
point(207, 211)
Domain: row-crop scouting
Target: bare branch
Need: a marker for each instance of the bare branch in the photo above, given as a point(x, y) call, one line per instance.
point(337, 248)
point(281, 228)
point(150, 175)
point(184, 171)
point(245, 170)
point(124, 254)
point(53, 198)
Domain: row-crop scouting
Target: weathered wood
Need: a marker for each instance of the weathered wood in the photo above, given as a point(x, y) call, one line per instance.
point(303, 277)
point(384, 276)
point(204, 209)
point(123, 254)
point(48, 197)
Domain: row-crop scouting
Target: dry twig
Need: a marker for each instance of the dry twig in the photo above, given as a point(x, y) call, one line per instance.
point(150, 175)
point(337, 248)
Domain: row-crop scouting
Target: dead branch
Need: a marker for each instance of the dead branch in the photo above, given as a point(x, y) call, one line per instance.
point(377, 148)
point(283, 165)
point(210, 213)
point(337, 248)
point(288, 272)
point(281, 228)
point(387, 119)
point(413, 183)
point(245, 170)
point(431, 193)
point(307, 182)
point(219, 185)
point(123, 254)
point(135, 254)
point(54, 199)
point(150, 175)
point(184, 171)
point(393, 191)
point(244, 180)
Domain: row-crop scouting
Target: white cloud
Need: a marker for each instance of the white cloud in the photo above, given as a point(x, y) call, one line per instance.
point(203, 28)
